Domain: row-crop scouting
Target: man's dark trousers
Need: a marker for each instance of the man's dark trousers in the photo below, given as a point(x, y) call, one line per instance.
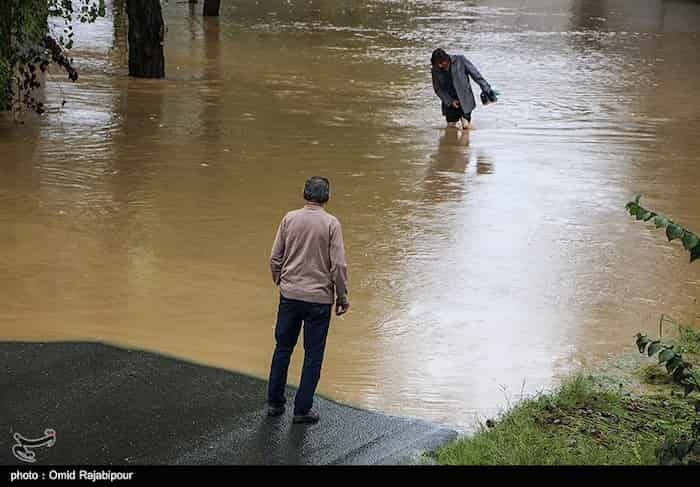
point(316, 318)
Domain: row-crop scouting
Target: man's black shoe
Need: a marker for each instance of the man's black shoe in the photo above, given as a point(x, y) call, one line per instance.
point(275, 410)
point(310, 417)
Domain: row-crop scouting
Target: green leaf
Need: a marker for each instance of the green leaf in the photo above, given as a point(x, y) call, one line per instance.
point(673, 363)
point(690, 240)
point(681, 372)
point(661, 221)
point(642, 213)
point(666, 355)
point(642, 341)
point(674, 231)
point(654, 347)
point(695, 253)
point(648, 216)
point(637, 197)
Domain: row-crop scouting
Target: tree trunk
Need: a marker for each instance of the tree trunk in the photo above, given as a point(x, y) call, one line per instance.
point(211, 8)
point(146, 34)
point(6, 16)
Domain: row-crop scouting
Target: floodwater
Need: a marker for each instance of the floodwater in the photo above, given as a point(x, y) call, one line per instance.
point(483, 264)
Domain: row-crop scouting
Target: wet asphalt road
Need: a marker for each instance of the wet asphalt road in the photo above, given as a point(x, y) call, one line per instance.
point(115, 406)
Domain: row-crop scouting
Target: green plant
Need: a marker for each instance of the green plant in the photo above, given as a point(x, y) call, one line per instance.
point(681, 449)
point(691, 242)
point(29, 44)
point(89, 11)
point(680, 369)
point(582, 422)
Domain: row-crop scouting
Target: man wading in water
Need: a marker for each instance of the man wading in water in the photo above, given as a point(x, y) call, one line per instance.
point(451, 75)
point(308, 265)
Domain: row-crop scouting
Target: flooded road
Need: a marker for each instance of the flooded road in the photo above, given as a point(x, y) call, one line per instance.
point(482, 265)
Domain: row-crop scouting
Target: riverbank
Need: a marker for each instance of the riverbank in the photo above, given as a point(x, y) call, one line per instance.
point(619, 414)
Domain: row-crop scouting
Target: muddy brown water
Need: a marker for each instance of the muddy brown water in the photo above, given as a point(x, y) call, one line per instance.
point(482, 265)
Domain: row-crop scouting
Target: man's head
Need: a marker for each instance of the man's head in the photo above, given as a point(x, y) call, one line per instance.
point(440, 59)
point(317, 189)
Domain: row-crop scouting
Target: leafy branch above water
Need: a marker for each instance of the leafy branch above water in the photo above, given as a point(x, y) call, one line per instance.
point(674, 362)
point(29, 44)
point(691, 242)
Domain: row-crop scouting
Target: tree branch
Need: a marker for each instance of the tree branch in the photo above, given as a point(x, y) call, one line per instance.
point(59, 56)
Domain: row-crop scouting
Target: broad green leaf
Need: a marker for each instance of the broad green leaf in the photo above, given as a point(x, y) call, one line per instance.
point(681, 372)
point(643, 214)
point(642, 341)
point(673, 363)
point(674, 231)
point(695, 253)
point(648, 216)
point(690, 240)
point(661, 221)
point(654, 347)
point(666, 355)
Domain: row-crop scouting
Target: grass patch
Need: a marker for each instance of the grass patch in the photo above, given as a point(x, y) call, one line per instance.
point(654, 374)
point(580, 423)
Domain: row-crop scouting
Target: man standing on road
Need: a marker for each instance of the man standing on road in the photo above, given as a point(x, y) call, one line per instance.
point(308, 264)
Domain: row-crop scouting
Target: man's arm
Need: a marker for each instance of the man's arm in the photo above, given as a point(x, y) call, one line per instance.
point(474, 73)
point(339, 267)
point(277, 253)
point(442, 94)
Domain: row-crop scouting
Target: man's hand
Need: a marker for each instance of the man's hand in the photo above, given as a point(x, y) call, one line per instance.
point(455, 103)
point(341, 306)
